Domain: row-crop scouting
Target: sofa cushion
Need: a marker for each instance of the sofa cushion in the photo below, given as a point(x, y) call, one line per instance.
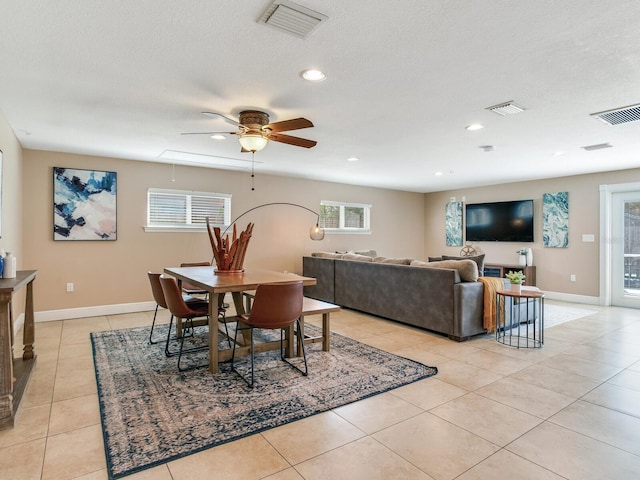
point(467, 269)
point(394, 261)
point(479, 259)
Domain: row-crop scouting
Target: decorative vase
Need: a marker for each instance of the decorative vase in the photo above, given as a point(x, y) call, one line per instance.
point(529, 257)
point(522, 260)
point(516, 287)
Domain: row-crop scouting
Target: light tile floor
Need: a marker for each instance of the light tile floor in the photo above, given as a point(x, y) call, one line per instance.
point(569, 410)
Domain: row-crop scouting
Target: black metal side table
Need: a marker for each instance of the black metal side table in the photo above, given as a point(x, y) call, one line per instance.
point(520, 318)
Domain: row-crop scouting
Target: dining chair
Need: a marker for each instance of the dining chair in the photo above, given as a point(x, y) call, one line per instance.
point(275, 306)
point(158, 297)
point(186, 313)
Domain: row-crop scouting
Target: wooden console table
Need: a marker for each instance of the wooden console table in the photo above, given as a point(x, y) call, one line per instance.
point(15, 372)
point(500, 269)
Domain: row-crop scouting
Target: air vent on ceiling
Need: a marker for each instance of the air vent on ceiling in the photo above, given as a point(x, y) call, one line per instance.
point(619, 115)
point(598, 146)
point(292, 18)
point(507, 108)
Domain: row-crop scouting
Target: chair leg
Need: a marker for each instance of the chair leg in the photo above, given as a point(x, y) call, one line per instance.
point(304, 372)
point(188, 323)
point(166, 345)
point(233, 357)
point(153, 324)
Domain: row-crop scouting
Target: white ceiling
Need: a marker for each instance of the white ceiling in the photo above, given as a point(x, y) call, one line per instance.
point(124, 78)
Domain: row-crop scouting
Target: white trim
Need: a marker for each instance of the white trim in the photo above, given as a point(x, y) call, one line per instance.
point(96, 311)
point(606, 212)
point(572, 298)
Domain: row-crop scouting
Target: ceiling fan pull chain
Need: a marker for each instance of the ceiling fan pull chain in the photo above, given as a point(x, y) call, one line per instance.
point(252, 171)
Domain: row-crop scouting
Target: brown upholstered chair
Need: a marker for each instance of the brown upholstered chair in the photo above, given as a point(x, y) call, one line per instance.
point(184, 311)
point(275, 306)
point(158, 296)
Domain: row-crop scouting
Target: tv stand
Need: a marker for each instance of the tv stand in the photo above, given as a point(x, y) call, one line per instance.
point(501, 269)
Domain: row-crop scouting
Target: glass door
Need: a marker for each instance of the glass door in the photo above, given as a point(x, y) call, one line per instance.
point(625, 249)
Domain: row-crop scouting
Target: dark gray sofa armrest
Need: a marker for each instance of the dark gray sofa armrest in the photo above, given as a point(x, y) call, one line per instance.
point(469, 310)
point(322, 269)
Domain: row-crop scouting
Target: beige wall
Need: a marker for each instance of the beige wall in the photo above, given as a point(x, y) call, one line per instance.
point(11, 236)
point(110, 273)
point(553, 265)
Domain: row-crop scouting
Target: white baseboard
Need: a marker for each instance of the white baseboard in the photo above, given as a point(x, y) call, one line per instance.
point(569, 297)
point(81, 312)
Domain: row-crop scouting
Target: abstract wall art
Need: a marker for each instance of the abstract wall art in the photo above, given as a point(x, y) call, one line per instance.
point(84, 204)
point(555, 220)
point(453, 227)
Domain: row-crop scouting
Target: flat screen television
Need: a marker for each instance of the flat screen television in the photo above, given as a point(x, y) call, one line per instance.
point(500, 221)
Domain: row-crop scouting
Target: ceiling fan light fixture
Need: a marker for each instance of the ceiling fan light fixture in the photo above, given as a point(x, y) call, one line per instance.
point(313, 75)
point(253, 142)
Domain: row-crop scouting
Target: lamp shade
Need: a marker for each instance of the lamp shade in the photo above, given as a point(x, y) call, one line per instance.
point(317, 232)
point(253, 142)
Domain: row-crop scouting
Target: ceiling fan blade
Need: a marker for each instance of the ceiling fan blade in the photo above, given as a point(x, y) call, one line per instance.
point(286, 125)
point(215, 114)
point(297, 141)
point(209, 133)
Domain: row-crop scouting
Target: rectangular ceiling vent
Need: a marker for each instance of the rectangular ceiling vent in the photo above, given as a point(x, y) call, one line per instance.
point(507, 108)
point(598, 146)
point(619, 115)
point(292, 18)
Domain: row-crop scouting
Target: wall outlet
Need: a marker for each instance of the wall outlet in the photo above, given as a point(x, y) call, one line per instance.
point(572, 277)
point(69, 287)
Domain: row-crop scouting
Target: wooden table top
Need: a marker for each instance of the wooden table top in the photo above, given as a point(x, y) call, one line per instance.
point(205, 278)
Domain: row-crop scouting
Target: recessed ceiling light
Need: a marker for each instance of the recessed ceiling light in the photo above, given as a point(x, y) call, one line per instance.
point(218, 136)
point(558, 154)
point(352, 159)
point(313, 75)
point(474, 126)
point(438, 174)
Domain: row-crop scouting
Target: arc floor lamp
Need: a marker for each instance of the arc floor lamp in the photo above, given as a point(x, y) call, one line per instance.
point(316, 232)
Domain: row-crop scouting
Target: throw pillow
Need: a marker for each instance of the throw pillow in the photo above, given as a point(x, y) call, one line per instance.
point(356, 257)
point(368, 253)
point(467, 269)
point(326, 255)
point(479, 259)
point(394, 261)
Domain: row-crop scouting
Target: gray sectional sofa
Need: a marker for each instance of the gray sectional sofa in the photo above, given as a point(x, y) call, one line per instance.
point(431, 298)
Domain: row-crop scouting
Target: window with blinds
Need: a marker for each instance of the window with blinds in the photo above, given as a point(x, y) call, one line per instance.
point(343, 217)
point(171, 210)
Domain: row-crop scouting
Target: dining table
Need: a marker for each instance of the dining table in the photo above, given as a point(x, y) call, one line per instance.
point(217, 284)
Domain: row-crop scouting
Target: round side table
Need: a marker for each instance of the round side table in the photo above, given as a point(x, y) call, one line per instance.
point(520, 318)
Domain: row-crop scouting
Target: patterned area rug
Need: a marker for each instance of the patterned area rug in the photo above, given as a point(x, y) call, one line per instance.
point(558, 314)
point(152, 414)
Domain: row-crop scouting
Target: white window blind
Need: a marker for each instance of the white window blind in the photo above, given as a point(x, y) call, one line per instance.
point(171, 210)
point(344, 217)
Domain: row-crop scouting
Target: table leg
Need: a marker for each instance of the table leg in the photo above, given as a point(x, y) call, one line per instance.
point(29, 332)
point(213, 332)
point(6, 364)
point(326, 331)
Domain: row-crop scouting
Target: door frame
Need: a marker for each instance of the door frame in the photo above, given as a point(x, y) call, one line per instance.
point(606, 233)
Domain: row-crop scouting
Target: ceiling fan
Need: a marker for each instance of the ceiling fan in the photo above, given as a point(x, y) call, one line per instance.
point(255, 131)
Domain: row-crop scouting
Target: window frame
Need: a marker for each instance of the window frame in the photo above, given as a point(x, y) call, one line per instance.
point(366, 230)
point(188, 196)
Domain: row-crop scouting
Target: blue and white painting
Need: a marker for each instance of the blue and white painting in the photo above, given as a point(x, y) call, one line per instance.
point(555, 220)
point(84, 204)
point(453, 226)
